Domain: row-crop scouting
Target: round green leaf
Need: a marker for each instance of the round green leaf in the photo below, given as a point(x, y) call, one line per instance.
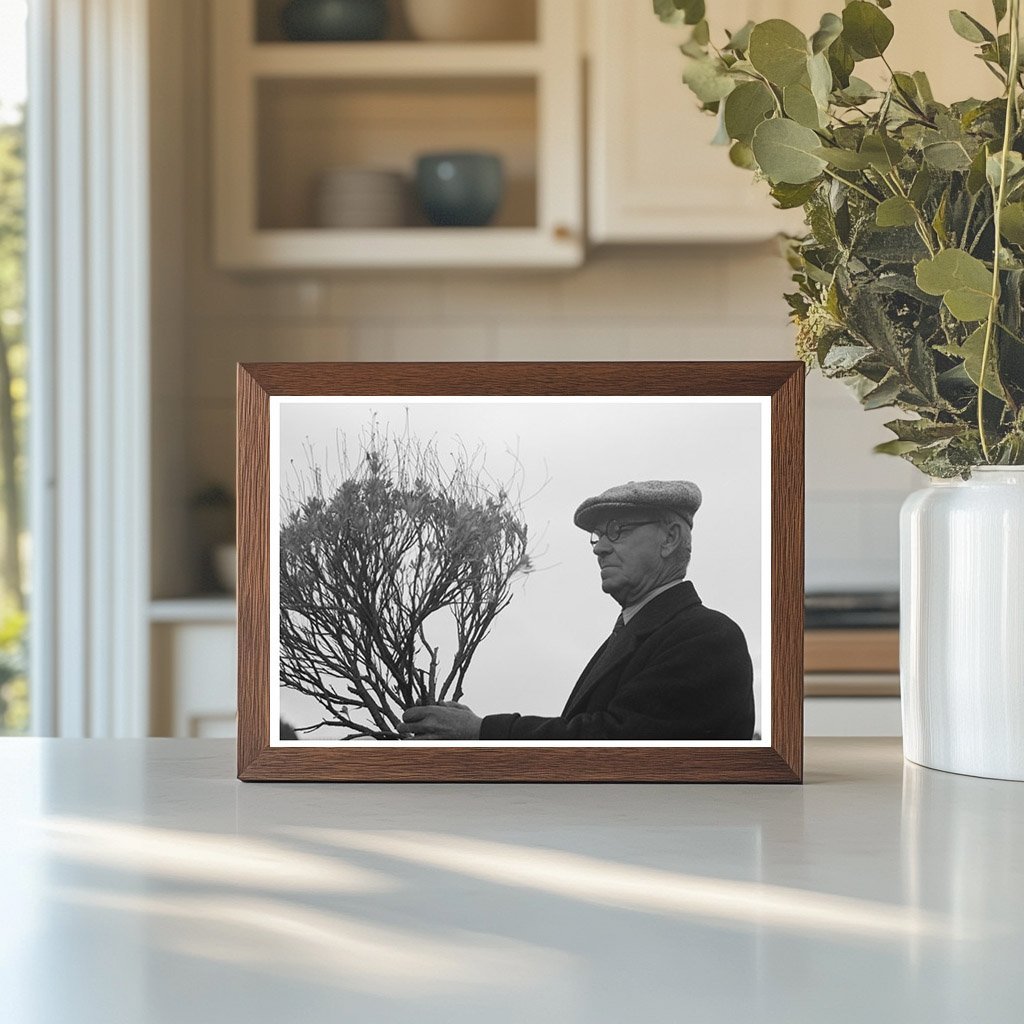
point(707, 80)
point(693, 11)
point(967, 28)
point(924, 88)
point(1011, 225)
point(923, 181)
point(841, 62)
point(947, 156)
point(896, 447)
point(667, 11)
point(778, 50)
point(971, 352)
point(976, 175)
point(800, 105)
point(674, 12)
point(858, 91)
point(742, 156)
point(784, 151)
point(844, 159)
point(829, 30)
point(994, 168)
point(866, 29)
point(963, 281)
point(895, 212)
point(740, 39)
point(883, 153)
point(746, 107)
point(820, 75)
point(788, 197)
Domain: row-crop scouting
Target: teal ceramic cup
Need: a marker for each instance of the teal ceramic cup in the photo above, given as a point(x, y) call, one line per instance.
point(460, 189)
point(334, 20)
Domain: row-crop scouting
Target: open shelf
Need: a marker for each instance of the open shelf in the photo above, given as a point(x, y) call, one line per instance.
point(519, 19)
point(287, 113)
point(406, 248)
point(306, 128)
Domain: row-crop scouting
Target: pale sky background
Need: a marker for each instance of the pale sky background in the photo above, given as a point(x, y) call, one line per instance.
point(12, 55)
point(569, 451)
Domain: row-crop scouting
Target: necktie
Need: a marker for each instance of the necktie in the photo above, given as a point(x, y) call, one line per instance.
point(599, 665)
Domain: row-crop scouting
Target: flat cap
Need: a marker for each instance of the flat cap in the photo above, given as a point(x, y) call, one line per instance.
point(679, 496)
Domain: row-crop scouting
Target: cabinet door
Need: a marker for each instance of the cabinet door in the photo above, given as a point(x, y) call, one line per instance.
point(193, 679)
point(653, 174)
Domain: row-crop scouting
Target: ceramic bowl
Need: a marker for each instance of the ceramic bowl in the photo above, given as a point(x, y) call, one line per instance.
point(460, 189)
point(334, 20)
point(225, 566)
point(468, 20)
point(360, 197)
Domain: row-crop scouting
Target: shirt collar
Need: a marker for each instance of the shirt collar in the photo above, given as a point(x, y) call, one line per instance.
point(628, 613)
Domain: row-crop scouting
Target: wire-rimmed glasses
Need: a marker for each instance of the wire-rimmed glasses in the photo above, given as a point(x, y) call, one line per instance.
point(613, 529)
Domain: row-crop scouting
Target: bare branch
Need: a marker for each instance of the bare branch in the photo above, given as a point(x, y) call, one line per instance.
point(373, 563)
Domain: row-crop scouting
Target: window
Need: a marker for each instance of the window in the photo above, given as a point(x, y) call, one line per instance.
point(14, 549)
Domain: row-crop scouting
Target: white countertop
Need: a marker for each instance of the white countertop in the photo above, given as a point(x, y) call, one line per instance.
point(143, 884)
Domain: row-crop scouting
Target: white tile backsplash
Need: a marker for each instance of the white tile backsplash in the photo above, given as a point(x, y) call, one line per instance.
point(718, 302)
point(576, 340)
point(641, 285)
point(415, 342)
point(369, 296)
point(507, 298)
point(253, 297)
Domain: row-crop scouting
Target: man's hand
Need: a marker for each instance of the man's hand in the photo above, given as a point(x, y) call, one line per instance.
point(447, 721)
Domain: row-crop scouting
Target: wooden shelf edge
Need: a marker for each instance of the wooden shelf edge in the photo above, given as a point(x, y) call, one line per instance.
point(392, 60)
point(852, 650)
point(851, 684)
point(212, 608)
point(313, 248)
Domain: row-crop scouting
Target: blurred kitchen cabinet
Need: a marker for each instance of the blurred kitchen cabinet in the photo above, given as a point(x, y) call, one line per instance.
point(653, 175)
point(193, 671)
point(925, 41)
point(286, 113)
point(852, 682)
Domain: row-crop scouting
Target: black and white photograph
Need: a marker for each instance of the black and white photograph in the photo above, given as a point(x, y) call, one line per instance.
point(506, 570)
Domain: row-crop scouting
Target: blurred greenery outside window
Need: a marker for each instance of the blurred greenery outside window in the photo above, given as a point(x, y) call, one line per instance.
point(14, 548)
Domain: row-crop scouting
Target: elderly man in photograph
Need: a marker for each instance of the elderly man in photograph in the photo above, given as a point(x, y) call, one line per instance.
point(671, 669)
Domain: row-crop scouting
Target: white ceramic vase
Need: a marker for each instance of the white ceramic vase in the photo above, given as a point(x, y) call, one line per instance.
point(962, 624)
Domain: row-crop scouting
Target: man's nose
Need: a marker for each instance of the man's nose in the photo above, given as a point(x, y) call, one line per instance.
point(603, 545)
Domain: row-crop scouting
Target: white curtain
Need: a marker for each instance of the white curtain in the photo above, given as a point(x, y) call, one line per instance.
point(88, 318)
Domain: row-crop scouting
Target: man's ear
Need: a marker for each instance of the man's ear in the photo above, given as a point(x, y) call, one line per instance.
point(673, 538)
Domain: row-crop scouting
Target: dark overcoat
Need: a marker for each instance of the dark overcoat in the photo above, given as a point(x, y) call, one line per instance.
point(675, 671)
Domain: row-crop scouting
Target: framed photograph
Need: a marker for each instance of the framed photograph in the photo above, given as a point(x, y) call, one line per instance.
point(520, 572)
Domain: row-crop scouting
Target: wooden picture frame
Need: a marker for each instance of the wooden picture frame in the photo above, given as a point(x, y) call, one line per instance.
point(775, 388)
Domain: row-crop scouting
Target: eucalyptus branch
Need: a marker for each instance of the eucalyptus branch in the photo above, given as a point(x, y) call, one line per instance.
point(969, 218)
point(924, 229)
point(878, 304)
point(1000, 198)
point(1012, 334)
point(853, 185)
point(779, 112)
point(980, 232)
point(908, 100)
